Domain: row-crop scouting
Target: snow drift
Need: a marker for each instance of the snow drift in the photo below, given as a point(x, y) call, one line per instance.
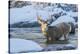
point(19, 45)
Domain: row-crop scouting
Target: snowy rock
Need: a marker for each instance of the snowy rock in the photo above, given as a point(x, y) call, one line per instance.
point(19, 45)
point(64, 18)
point(49, 8)
point(58, 10)
point(72, 14)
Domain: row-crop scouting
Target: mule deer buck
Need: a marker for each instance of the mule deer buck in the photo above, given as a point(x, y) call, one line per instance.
point(53, 33)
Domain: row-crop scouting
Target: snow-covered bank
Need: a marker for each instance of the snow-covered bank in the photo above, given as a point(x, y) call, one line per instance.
point(64, 18)
point(21, 45)
point(29, 13)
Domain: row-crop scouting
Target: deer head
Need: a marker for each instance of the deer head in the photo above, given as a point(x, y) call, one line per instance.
point(44, 24)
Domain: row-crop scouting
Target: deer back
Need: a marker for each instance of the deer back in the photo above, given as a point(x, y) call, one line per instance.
point(58, 30)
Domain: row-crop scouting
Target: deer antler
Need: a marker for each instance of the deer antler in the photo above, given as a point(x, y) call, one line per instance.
point(40, 20)
point(50, 20)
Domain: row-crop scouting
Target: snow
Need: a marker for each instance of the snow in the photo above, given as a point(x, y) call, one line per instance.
point(29, 13)
point(72, 14)
point(22, 14)
point(64, 18)
point(48, 8)
point(26, 13)
point(58, 10)
point(63, 5)
point(19, 45)
point(53, 10)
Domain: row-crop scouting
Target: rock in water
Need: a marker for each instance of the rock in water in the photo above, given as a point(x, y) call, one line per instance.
point(67, 47)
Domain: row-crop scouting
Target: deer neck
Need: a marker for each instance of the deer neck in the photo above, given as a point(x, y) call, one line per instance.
point(44, 31)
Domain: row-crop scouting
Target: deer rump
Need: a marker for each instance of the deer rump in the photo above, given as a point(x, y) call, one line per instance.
point(57, 31)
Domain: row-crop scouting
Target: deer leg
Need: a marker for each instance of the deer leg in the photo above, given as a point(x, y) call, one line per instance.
point(50, 39)
point(47, 39)
point(66, 37)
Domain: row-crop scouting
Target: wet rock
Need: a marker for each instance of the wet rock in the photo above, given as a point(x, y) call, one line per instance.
point(46, 50)
point(49, 48)
point(67, 47)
